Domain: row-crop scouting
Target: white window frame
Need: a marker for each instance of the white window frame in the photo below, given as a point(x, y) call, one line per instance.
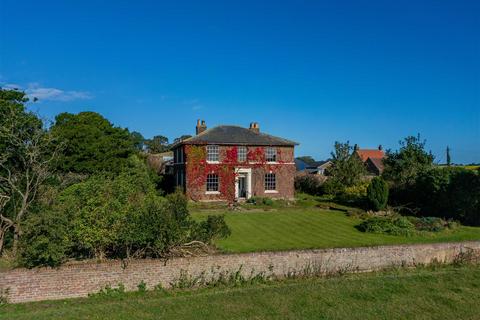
point(242, 153)
point(213, 153)
point(271, 153)
point(209, 182)
point(267, 182)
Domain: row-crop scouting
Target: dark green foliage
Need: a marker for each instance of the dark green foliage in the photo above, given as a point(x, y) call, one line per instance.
point(347, 169)
point(157, 144)
point(308, 184)
point(332, 187)
point(45, 240)
point(449, 193)
point(115, 217)
point(377, 194)
point(138, 140)
point(307, 159)
point(403, 166)
point(92, 143)
point(397, 225)
point(260, 201)
point(213, 228)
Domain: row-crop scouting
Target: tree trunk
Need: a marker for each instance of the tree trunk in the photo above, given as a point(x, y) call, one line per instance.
point(16, 237)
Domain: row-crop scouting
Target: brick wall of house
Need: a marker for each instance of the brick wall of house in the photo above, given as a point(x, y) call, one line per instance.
point(80, 279)
point(285, 171)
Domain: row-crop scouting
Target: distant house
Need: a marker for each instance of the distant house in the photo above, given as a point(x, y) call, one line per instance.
point(317, 167)
point(372, 158)
point(234, 163)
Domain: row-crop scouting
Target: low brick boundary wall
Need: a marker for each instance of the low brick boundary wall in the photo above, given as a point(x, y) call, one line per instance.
point(80, 279)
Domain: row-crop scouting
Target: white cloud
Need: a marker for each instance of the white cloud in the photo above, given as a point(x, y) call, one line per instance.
point(54, 94)
point(34, 90)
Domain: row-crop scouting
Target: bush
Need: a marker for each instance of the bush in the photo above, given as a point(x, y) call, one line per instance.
point(308, 184)
point(452, 193)
point(260, 201)
point(45, 240)
point(332, 187)
point(398, 225)
point(354, 195)
point(432, 224)
point(377, 194)
point(213, 228)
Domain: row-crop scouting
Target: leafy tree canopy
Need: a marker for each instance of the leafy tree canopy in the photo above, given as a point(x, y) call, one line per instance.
point(92, 143)
point(307, 159)
point(347, 169)
point(181, 138)
point(157, 144)
point(403, 166)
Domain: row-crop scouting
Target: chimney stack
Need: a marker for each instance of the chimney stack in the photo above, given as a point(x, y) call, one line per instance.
point(380, 147)
point(255, 127)
point(201, 126)
point(356, 147)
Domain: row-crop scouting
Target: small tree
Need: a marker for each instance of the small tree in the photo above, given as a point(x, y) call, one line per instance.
point(377, 193)
point(347, 169)
point(403, 166)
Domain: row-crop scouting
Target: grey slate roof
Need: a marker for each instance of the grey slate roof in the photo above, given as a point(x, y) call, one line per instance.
point(234, 135)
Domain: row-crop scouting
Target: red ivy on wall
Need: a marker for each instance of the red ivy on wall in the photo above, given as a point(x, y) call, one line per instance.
point(198, 168)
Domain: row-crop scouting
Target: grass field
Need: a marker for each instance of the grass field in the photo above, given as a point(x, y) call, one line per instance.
point(310, 227)
point(442, 293)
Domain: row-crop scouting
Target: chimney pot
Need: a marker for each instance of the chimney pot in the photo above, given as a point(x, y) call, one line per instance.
point(380, 147)
point(255, 127)
point(201, 126)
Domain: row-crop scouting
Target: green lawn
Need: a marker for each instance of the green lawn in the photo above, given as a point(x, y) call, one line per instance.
point(442, 293)
point(310, 227)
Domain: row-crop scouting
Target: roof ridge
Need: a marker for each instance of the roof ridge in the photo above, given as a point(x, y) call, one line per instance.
point(243, 135)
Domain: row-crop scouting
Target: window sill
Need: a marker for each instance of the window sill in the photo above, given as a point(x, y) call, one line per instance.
point(212, 192)
point(213, 162)
point(271, 191)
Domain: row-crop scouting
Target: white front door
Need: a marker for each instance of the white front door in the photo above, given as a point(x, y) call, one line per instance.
point(243, 183)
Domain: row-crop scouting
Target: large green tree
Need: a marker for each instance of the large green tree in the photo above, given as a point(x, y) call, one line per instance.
point(404, 165)
point(27, 151)
point(92, 143)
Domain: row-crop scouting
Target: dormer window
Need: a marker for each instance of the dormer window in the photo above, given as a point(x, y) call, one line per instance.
point(242, 154)
point(212, 153)
point(271, 154)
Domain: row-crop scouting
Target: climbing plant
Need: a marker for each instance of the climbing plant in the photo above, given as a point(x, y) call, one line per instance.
point(198, 168)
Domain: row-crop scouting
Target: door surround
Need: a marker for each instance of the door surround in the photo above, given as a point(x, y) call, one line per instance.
point(247, 172)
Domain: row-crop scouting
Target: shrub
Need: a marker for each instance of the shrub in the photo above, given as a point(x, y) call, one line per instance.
point(260, 201)
point(213, 228)
point(452, 193)
point(332, 187)
point(308, 184)
point(377, 194)
point(45, 240)
point(432, 224)
point(398, 225)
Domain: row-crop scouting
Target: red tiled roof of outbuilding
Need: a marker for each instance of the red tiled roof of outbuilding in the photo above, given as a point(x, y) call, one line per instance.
point(364, 154)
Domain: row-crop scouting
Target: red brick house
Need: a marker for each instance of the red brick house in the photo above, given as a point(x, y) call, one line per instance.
point(233, 163)
point(372, 158)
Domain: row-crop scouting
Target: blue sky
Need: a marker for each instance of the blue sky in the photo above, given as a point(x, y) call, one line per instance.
point(370, 72)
